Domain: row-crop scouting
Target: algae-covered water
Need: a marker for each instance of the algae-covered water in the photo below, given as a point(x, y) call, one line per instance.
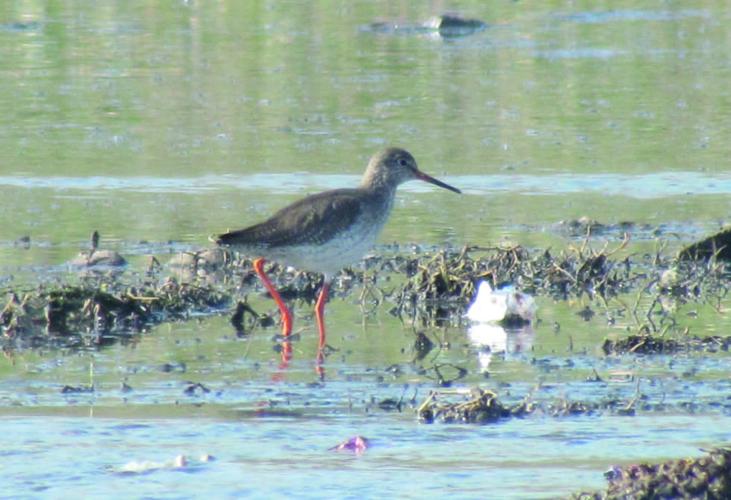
point(159, 123)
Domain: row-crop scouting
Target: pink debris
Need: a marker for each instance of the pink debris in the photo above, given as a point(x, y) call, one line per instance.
point(356, 444)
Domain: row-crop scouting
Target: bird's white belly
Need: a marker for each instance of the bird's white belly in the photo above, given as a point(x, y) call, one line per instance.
point(331, 256)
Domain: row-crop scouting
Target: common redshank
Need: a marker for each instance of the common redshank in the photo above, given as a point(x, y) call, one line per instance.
point(328, 231)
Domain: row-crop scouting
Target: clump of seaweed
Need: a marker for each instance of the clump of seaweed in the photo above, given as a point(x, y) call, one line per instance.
point(482, 407)
point(434, 288)
point(441, 285)
point(292, 284)
point(655, 344)
point(430, 288)
point(708, 477)
point(92, 312)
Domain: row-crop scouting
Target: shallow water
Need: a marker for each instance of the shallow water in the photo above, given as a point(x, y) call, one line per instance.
point(270, 428)
point(159, 124)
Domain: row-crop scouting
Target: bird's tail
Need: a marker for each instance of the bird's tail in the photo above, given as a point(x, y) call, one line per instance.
point(248, 236)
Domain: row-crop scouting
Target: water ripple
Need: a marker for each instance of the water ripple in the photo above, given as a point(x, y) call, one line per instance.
point(641, 186)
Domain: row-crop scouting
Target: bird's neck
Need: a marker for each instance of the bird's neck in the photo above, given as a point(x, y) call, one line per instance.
point(377, 189)
point(376, 180)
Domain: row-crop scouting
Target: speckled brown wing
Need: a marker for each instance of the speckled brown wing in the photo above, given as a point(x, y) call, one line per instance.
point(312, 220)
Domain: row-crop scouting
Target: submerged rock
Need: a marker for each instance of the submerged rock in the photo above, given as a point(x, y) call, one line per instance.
point(210, 258)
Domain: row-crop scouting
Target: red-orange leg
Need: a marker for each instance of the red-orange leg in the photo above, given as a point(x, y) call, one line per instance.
point(286, 353)
point(283, 310)
point(320, 312)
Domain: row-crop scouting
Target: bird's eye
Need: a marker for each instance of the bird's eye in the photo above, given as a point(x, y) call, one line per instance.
point(402, 162)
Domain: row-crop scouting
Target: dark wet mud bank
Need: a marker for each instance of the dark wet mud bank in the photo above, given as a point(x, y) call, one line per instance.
point(99, 311)
point(425, 288)
point(708, 477)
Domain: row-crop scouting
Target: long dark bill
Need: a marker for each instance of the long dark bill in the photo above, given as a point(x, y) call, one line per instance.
point(431, 180)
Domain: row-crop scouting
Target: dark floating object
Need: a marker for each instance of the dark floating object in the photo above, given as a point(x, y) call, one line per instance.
point(196, 389)
point(717, 246)
point(237, 319)
point(708, 476)
point(23, 242)
point(177, 367)
point(586, 313)
point(422, 345)
point(449, 25)
point(21, 26)
point(96, 257)
point(446, 25)
point(77, 389)
point(390, 404)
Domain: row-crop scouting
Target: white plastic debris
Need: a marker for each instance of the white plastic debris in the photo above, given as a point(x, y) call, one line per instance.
point(502, 304)
point(143, 467)
point(177, 463)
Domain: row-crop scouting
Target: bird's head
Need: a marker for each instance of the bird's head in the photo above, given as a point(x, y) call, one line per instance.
point(394, 166)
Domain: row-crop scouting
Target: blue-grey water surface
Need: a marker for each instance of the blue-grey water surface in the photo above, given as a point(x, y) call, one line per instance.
point(159, 123)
